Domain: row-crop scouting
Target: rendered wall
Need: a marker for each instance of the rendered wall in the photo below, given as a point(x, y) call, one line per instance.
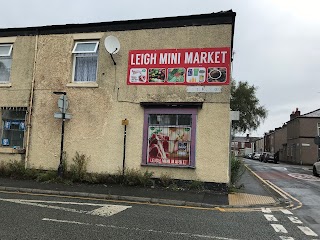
point(97, 110)
point(16, 93)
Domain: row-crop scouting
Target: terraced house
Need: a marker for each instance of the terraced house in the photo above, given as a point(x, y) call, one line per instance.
point(149, 94)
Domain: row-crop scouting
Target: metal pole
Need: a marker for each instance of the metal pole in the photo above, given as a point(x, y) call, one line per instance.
point(124, 148)
point(60, 168)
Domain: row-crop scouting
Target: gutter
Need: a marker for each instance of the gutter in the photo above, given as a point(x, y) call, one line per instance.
point(31, 104)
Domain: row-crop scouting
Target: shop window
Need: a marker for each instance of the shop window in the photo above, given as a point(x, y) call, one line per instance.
point(5, 62)
point(169, 137)
point(13, 127)
point(85, 61)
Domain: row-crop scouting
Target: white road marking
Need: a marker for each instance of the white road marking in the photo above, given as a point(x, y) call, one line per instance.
point(286, 238)
point(65, 221)
point(270, 218)
point(280, 168)
point(265, 210)
point(295, 220)
point(285, 211)
point(307, 231)
point(103, 210)
point(279, 228)
point(306, 177)
point(108, 210)
point(139, 229)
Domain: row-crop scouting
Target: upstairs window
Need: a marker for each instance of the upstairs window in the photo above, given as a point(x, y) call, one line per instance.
point(5, 62)
point(13, 127)
point(85, 62)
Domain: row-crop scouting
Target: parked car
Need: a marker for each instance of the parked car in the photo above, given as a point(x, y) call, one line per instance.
point(267, 157)
point(249, 155)
point(316, 168)
point(256, 156)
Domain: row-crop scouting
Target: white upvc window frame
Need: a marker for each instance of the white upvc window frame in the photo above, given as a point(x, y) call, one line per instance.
point(75, 56)
point(80, 42)
point(7, 56)
point(318, 129)
point(9, 52)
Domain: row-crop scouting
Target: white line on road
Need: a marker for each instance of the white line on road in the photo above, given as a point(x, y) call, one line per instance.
point(279, 228)
point(295, 220)
point(108, 210)
point(285, 211)
point(307, 231)
point(270, 218)
point(286, 238)
point(139, 229)
point(104, 210)
point(265, 210)
point(65, 221)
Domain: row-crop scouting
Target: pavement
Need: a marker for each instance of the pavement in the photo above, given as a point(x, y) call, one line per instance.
point(254, 193)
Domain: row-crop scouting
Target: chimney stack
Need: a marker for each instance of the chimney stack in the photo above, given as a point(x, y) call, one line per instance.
point(292, 115)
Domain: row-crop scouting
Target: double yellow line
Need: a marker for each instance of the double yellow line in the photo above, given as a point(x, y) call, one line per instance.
point(295, 203)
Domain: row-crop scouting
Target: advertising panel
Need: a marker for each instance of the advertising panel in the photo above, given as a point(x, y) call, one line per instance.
point(195, 66)
point(169, 145)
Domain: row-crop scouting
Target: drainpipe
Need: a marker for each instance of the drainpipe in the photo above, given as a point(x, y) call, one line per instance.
point(31, 104)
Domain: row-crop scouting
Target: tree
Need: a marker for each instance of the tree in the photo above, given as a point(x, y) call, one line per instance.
point(244, 100)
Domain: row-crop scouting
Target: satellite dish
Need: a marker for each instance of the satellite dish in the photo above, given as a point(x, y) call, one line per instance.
point(112, 44)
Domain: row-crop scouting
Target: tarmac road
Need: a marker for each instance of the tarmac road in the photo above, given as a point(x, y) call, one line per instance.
point(34, 216)
point(298, 181)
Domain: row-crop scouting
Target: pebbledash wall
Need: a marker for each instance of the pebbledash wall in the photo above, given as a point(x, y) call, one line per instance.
point(43, 62)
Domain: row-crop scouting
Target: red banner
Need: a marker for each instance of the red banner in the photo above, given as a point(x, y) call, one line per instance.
point(195, 66)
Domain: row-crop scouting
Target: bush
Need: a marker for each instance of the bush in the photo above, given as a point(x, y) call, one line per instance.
point(165, 180)
point(134, 177)
point(78, 170)
point(196, 185)
point(16, 169)
point(47, 176)
point(237, 170)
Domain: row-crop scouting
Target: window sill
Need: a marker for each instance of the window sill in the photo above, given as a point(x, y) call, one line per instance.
point(83, 85)
point(5, 85)
point(12, 150)
point(165, 165)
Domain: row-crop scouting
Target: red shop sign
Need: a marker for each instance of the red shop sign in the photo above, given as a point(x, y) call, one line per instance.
point(194, 66)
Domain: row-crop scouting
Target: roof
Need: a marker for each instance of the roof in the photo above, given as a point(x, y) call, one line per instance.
point(315, 113)
point(223, 17)
point(244, 139)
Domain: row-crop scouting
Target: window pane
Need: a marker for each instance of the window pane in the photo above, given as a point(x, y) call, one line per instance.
point(184, 119)
point(153, 119)
point(13, 126)
point(85, 68)
point(5, 50)
point(85, 47)
point(163, 119)
point(5, 68)
point(10, 114)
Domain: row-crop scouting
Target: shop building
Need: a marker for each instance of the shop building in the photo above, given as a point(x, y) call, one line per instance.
point(165, 81)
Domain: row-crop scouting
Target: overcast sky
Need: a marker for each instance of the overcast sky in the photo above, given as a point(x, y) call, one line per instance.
point(276, 42)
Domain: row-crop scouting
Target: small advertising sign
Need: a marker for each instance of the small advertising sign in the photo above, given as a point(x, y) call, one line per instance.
point(169, 145)
point(196, 66)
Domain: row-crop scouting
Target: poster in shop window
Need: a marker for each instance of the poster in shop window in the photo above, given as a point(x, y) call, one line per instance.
point(169, 145)
point(194, 66)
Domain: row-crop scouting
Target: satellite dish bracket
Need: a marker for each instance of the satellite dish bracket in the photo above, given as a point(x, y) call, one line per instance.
point(111, 55)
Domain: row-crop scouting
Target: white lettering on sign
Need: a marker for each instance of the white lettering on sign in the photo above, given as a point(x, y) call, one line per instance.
point(205, 57)
point(143, 59)
point(170, 58)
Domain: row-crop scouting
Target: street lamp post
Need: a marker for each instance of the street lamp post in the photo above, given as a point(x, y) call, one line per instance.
point(62, 105)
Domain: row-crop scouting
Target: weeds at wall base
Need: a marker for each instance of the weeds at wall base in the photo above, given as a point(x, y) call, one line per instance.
point(77, 173)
